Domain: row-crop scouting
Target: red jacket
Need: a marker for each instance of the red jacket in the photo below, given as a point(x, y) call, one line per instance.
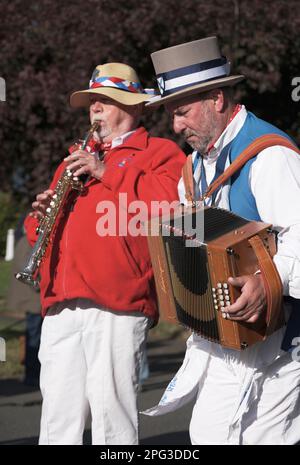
point(113, 271)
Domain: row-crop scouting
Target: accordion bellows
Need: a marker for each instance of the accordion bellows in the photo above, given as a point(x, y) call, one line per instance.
point(191, 281)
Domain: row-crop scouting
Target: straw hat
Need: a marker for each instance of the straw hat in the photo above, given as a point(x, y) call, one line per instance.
point(190, 68)
point(116, 81)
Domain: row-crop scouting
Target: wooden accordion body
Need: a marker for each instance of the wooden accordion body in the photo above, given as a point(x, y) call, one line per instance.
point(191, 281)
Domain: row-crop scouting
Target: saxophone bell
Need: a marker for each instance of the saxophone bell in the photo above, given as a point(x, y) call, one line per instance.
point(27, 278)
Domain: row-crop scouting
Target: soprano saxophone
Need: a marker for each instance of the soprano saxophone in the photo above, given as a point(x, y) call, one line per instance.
point(66, 183)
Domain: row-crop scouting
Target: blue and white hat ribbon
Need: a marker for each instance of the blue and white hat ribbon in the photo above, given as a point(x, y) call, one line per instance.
point(173, 81)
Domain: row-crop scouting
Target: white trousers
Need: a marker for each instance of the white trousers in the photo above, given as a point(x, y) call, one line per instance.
point(244, 398)
point(90, 358)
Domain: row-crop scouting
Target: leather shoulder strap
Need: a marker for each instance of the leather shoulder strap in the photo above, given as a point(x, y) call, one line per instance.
point(188, 179)
point(251, 151)
point(272, 281)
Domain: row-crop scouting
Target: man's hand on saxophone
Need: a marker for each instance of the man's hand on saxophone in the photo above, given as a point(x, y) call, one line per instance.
point(41, 203)
point(82, 162)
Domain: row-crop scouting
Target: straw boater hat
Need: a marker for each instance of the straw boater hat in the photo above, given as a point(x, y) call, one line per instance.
point(190, 68)
point(116, 81)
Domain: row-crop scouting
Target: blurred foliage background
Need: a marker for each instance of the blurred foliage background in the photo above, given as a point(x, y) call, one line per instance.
point(49, 49)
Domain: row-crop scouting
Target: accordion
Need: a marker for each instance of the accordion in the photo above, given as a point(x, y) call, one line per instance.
point(191, 272)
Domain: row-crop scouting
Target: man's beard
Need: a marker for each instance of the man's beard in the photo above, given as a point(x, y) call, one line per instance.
point(104, 130)
point(200, 144)
point(208, 130)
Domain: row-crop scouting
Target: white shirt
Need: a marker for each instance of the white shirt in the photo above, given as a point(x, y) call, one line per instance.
point(121, 139)
point(274, 180)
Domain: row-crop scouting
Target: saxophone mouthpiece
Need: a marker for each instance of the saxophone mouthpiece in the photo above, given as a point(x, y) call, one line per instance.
point(95, 126)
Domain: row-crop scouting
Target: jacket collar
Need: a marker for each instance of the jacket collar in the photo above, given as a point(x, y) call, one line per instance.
point(137, 141)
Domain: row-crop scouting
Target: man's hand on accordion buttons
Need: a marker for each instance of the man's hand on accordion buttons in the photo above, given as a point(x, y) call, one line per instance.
point(251, 305)
point(82, 162)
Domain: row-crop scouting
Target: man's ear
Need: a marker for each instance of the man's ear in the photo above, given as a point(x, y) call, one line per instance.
point(219, 99)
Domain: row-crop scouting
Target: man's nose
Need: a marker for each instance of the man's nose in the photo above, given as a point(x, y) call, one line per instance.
point(96, 106)
point(178, 125)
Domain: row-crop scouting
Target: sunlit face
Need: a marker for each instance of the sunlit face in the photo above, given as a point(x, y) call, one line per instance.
point(194, 118)
point(114, 118)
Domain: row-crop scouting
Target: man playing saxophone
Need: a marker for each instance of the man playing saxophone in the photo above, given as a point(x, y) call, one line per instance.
point(97, 291)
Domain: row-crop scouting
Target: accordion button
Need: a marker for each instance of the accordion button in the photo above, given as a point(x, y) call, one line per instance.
point(227, 297)
point(228, 303)
point(226, 291)
point(215, 301)
point(216, 307)
point(213, 289)
point(221, 297)
point(220, 291)
point(219, 285)
point(225, 285)
point(222, 304)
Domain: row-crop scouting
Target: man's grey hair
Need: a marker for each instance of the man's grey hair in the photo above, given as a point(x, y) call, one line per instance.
point(227, 91)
